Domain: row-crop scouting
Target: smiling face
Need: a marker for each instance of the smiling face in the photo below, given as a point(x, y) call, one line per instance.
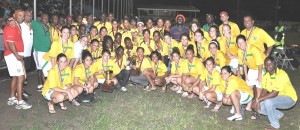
point(128, 44)
point(198, 37)
point(62, 62)
point(140, 53)
point(189, 55)
point(103, 32)
point(88, 61)
point(248, 22)
point(194, 27)
point(226, 31)
point(270, 66)
point(149, 23)
point(95, 46)
point(180, 20)
point(212, 32)
point(120, 52)
point(168, 39)
point(225, 74)
point(224, 17)
point(213, 49)
point(154, 58)
point(19, 16)
point(185, 41)
point(65, 34)
point(209, 65)
point(73, 31)
point(105, 57)
point(160, 22)
point(168, 24)
point(175, 57)
point(241, 43)
point(156, 36)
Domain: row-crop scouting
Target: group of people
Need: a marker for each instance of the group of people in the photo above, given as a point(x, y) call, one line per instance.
point(73, 58)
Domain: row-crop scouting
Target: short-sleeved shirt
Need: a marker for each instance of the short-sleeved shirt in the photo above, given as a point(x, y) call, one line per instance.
point(231, 46)
point(78, 48)
point(41, 37)
point(54, 33)
point(144, 64)
point(146, 48)
point(203, 50)
point(99, 65)
point(160, 68)
point(57, 79)
point(13, 34)
point(106, 24)
point(167, 49)
point(182, 49)
point(177, 68)
point(58, 47)
point(235, 30)
point(82, 73)
point(27, 36)
point(280, 82)
point(213, 79)
point(253, 57)
point(119, 65)
point(176, 33)
point(195, 69)
point(258, 38)
point(221, 59)
point(236, 83)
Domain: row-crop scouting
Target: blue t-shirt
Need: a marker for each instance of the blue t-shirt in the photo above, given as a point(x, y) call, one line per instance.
point(176, 33)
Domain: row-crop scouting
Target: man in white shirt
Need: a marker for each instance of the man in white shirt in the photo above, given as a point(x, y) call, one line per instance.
point(79, 46)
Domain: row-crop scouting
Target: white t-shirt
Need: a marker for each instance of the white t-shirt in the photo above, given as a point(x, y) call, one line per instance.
point(27, 36)
point(78, 48)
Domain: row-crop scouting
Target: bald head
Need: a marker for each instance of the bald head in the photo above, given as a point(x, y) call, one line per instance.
point(19, 16)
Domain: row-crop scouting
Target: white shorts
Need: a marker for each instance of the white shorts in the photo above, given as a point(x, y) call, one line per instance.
point(48, 95)
point(234, 63)
point(15, 67)
point(219, 95)
point(46, 66)
point(245, 97)
point(38, 57)
point(252, 78)
point(101, 81)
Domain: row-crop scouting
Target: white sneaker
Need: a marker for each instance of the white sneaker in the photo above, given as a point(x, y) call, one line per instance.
point(39, 88)
point(123, 89)
point(235, 117)
point(185, 94)
point(23, 105)
point(232, 110)
point(12, 101)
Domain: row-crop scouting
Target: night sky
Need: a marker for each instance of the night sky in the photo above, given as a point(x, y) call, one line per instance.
point(260, 9)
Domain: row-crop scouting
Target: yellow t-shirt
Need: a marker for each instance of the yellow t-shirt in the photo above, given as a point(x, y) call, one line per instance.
point(203, 50)
point(280, 82)
point(231, 46)
point(113, 33)
point(131, 52)
point(160, 69)
point(182, 49)
point(258, 38)
point(161, 51)
point(106, 24)
point(221, 59)
point(253, 57)
point(194, 69)
point(235, 30)
point(57, 79)
point(144, 64)
point(167, 49)
point(82, 73)
point(73, 38)
point(57, 47)
point(98, 65)
point(90, 38)
point(213, 79)
point(177, 68)
point(140, 39)
point(54, 33)
point(117, 69)
point(236, 83)
point(126, 34)
point(145, 46)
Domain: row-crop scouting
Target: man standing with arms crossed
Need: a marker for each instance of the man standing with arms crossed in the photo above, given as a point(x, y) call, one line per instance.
point(13, 55)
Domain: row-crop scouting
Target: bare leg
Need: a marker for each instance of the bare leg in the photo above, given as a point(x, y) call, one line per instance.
point(20, 82)
point(13, 86)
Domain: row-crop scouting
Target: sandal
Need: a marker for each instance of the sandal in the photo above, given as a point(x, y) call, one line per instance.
point(63, 107)
point(255, 116)
point(51, 111)
point(75, 103)
point(217, 107)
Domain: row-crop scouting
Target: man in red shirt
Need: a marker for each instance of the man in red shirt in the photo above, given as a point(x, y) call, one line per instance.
point(13, 55)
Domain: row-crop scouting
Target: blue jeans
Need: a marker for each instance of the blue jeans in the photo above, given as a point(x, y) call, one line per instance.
point(269, 108)
point(140, 79)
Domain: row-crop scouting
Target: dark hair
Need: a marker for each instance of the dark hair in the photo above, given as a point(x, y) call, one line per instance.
point(190, 48)
point(217, 30)
point(118, 33)
point(64, 27)
point(73, 26)
point(146, 30)
point(240, 37)
point(272, 59)
point(227, 25)
point(120, 47)
point(215, 42)
point(85, 54)
point(140, 48)
point(126, 38)
point(82, 26)
point(115, 20)
point(199, 31)
point(93, 27)
point(102, 29)
point(185, 34)
point(106, 39)
point(156, 32)
point(155, 53)
point(94, 40)
point(210, 59)
point(105, 51)
point(60, 55)
point(227, 68)
point(149, 19)
point(175, 50)
point(251, 16)
point(167, 33)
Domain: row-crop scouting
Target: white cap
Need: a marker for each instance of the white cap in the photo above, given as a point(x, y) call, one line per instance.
point(140, 23)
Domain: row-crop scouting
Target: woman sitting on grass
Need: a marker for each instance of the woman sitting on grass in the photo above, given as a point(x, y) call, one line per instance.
point(176, 71)
point(213, 91)
point(192, 70)
point(58, 86)
point(237, 93)
point(83, 73)
point(156, 75)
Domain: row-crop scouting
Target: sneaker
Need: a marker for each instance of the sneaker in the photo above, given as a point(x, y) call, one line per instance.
point(23, 105)
point(232, 110)
point(123, 89)
point(12, 101)
point(25, 83)
point(235, 117)
point(185, 94)
point(39, 88)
